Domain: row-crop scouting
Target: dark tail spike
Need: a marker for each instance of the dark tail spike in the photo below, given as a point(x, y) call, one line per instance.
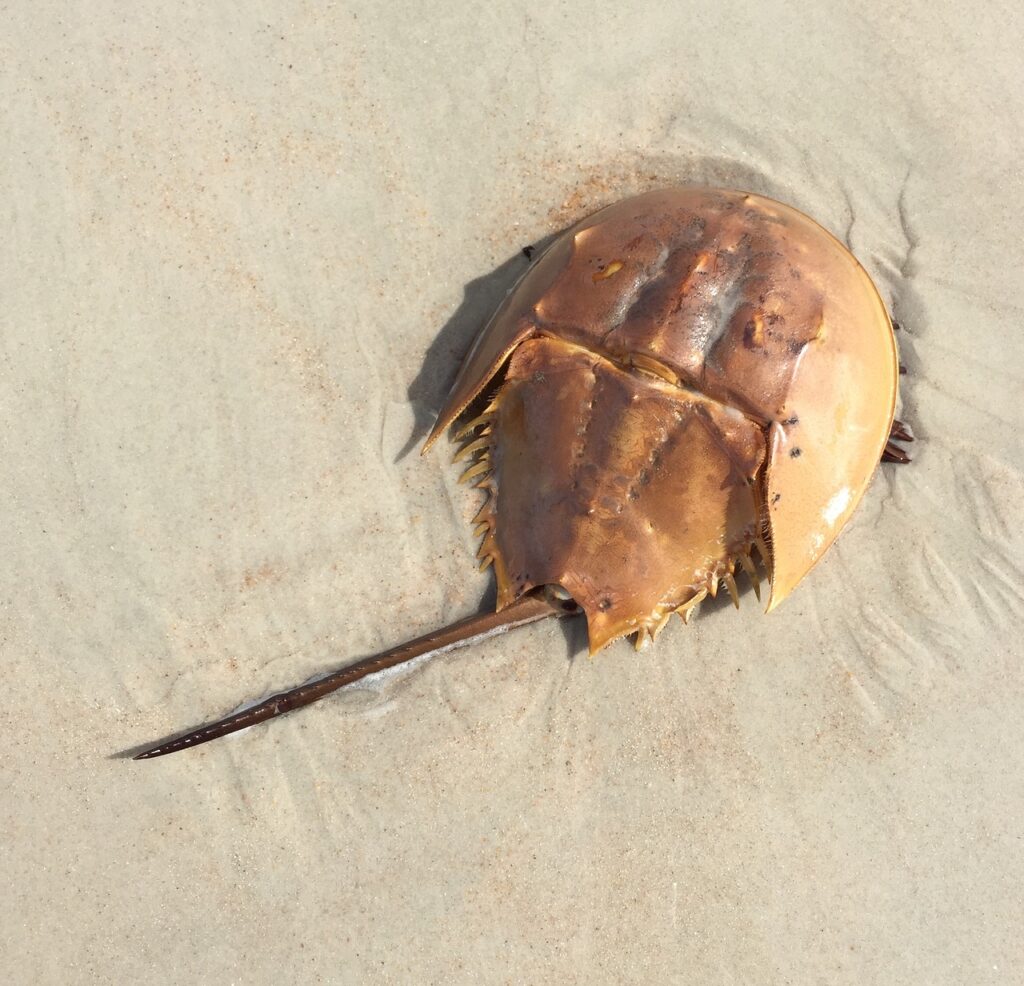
point(529, 609)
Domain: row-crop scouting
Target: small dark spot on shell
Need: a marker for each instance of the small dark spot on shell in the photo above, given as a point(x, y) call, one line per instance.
point(538, 377)
point(605, 604)
point(796, 347)
point(529, 251)
point(795, 454)
point(776, 498)
point(794, 420)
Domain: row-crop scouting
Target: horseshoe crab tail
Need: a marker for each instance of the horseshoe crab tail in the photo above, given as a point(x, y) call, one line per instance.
point(529, 609)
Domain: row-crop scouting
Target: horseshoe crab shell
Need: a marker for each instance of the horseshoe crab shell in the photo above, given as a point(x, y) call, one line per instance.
point(680, 378)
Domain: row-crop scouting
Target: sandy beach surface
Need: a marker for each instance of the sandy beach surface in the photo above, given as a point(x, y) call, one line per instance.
point(245, 248)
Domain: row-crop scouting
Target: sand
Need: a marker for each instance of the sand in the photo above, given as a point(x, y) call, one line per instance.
point(246, 246)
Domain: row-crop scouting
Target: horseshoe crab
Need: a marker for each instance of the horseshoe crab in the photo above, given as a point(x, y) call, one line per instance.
point(686, 384)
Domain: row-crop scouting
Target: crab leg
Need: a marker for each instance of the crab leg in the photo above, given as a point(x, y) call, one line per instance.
point(898, 433)
point(528, 609)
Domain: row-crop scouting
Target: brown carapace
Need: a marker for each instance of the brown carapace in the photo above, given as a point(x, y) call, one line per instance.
point(685, 385)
